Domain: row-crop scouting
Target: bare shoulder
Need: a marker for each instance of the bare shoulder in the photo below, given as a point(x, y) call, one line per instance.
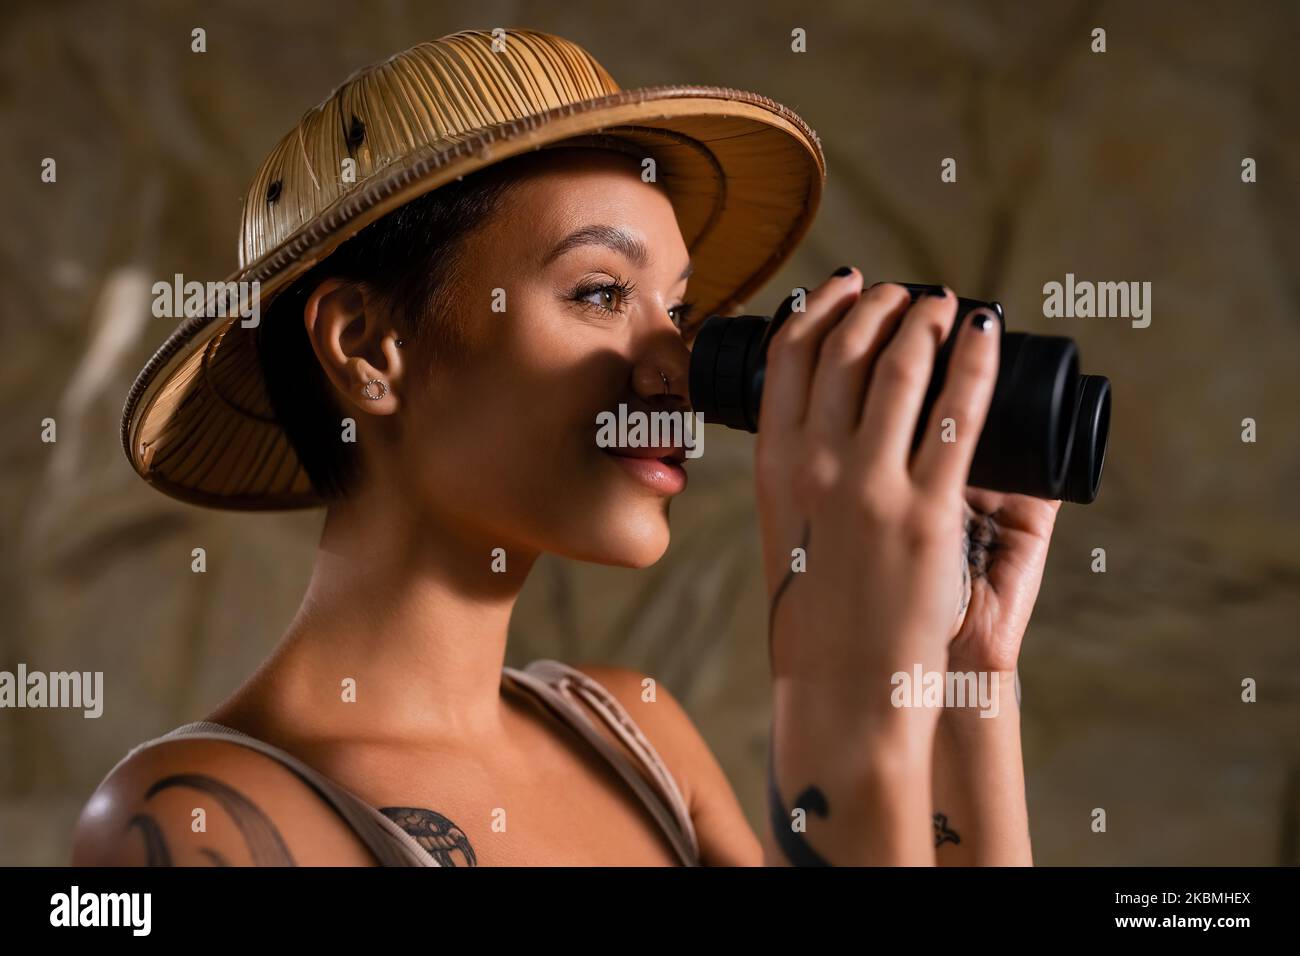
point(210, 803)
point(638, 693)
point(726, 838)
point(658, 714)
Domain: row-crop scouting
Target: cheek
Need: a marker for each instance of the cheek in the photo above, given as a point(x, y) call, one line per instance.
point(502, 432)
point(547, 376)
point(506, 440)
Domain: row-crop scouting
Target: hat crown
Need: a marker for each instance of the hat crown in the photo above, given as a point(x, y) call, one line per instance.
point(431, 96)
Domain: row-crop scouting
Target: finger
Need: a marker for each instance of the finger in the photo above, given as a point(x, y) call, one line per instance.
point(792, 353)
point(900, 378)
point(843, 365)
point(985, 501)
point(943, 460)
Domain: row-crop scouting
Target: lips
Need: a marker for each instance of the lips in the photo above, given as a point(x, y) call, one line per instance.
point(659, 469)
point(661, 453)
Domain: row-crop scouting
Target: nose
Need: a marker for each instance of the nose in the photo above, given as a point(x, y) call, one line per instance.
point(661, 376)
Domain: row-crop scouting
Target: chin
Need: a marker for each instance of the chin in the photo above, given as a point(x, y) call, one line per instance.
point(635, 542)
point(642, 557)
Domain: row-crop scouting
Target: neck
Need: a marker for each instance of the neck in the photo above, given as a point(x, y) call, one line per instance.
point(414, 613)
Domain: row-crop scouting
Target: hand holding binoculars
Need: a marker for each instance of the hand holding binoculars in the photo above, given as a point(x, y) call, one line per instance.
point(1047, 425)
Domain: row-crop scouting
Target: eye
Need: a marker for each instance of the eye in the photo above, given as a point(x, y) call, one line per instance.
point(680, 313)
point(604, 296)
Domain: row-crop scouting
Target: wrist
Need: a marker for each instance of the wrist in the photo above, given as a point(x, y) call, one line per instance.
point(991, 701)
point(885, 706)
point(875, 779)
point(865, 732)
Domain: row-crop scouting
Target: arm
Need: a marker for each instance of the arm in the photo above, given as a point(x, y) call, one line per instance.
point(981, 817)
point(977, 783)
point(826, 807)
point(254, 813)
point(979, 778)
point(861, 522)
point(890, 781)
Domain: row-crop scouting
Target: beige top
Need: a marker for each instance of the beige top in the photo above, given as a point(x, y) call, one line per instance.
point(561, 688)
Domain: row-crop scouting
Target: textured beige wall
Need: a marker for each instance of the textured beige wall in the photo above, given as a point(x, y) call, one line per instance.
point(1118, 166)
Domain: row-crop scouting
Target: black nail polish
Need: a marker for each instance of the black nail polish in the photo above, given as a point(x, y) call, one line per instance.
point(940, 293)
point(982, 321)
point(842, 271)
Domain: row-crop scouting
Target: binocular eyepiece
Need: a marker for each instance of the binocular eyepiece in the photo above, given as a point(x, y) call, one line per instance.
point(1047, 426)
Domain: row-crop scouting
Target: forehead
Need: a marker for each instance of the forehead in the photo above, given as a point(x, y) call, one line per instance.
point(562, 190)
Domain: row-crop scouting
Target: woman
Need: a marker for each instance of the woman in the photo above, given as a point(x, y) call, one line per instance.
point(438, 372)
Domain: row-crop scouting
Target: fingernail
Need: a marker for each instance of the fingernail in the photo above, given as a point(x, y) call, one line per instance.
point(842, 271)
point(982, 321)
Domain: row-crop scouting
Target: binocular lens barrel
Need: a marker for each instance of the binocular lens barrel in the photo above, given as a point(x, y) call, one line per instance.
point(1091, 431)
point(1047, 425)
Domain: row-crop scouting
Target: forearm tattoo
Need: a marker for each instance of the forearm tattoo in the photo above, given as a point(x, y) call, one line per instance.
point(793, 844)
point(780, 593)
point(942, 834)
point(440, 838)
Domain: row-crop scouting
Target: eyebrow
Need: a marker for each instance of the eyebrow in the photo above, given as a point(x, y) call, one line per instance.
point(612, 237)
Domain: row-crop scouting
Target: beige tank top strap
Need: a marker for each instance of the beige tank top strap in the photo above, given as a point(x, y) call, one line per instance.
point(390, 844)
point(567, 689)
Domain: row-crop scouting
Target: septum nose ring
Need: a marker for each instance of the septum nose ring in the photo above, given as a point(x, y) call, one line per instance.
point(665, 380)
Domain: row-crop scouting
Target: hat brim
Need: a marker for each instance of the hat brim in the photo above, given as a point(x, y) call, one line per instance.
point(744, 175)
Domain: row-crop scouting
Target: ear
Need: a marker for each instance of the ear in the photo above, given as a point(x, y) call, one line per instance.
point(355, 345)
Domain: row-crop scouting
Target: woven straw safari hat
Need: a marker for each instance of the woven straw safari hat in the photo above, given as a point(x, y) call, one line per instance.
point(744, 175)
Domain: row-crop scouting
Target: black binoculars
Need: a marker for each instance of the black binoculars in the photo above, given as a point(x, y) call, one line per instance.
point(1047, 426)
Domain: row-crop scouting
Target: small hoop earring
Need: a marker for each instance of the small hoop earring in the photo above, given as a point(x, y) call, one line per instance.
point(383, 389)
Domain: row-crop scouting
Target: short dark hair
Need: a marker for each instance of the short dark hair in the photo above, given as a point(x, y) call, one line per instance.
point(408, 260)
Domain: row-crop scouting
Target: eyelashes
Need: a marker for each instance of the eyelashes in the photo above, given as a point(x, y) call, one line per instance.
point(620, 288)
point(623, 292)
point(683, 313)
